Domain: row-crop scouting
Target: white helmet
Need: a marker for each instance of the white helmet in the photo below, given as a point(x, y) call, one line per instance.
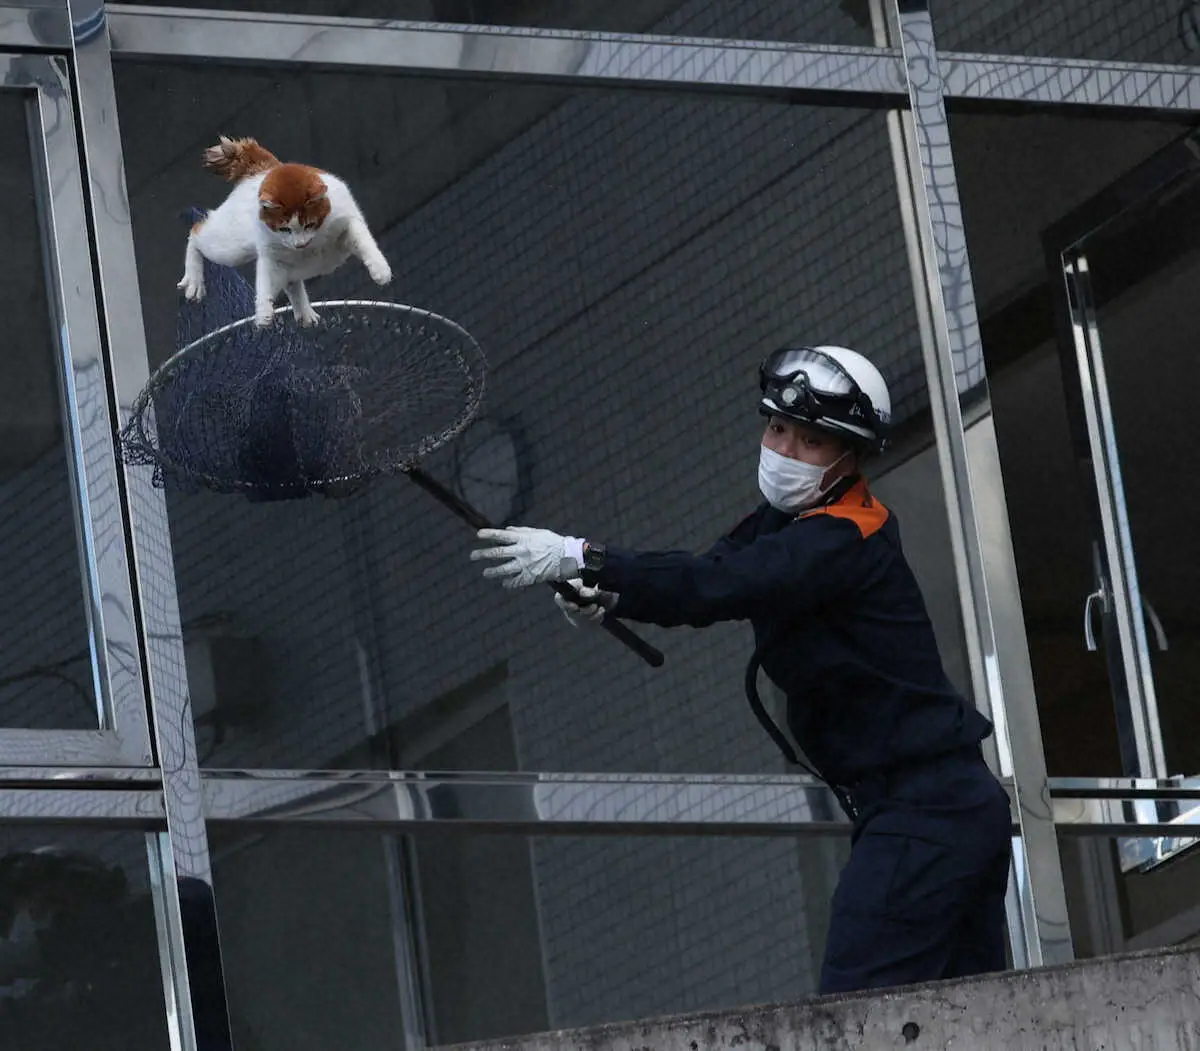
point(832, 388)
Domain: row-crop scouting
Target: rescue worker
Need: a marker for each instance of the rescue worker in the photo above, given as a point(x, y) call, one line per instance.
point(841, 627)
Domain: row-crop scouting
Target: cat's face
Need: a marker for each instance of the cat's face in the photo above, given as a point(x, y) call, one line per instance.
point(293, 204)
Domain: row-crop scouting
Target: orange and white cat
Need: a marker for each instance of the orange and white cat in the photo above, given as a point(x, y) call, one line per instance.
point(293, 221)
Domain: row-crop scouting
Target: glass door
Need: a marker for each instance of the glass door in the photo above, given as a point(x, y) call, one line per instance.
point(1130, 355)
point(71, 691)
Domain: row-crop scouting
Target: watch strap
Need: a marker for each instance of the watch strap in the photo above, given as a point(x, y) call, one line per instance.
point(593, 562)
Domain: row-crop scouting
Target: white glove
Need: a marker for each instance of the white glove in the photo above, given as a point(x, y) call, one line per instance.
point(530, 556)
point(593, 612)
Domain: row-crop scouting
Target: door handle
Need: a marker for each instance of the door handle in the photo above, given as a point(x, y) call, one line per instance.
point(1089, 636)
point(1148, 613)
point(1156, 625)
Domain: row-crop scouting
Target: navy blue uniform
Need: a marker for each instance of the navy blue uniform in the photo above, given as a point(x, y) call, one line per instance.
point(841, 627)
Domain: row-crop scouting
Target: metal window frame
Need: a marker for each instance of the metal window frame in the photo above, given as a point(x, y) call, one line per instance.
point(1138, 717)
point(121, 737)
point(83, 807)
point(849, 75)
point(1070, 82)
point(914, 80)
point(1127, 613)
point(34, 25)
point(1039, 931)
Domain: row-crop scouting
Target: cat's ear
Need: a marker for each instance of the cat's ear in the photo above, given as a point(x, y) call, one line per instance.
point(267, 204)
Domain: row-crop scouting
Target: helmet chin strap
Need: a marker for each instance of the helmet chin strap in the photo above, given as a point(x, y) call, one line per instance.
point(837, 489)
point(826, 490)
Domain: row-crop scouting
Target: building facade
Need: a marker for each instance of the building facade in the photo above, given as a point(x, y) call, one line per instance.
point(291, 775)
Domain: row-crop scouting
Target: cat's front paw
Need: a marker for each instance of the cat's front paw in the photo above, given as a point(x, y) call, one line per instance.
point(306, 317)
point(192, 287)
point(379, 270)
point(264, 318)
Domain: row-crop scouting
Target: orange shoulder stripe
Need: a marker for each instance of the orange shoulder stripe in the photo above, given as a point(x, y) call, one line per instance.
point(857, 505)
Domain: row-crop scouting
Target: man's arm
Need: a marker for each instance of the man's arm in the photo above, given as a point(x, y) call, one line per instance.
point(800, 567)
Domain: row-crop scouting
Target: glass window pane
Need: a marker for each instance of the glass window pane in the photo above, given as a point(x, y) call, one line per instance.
point(79, 960)
point(1115, 907)
point(509, 934)
point(1134, 31)
point(47, 680)
point(625, 259)
point(328, 981)
point(1018, 176)
point(1143, 277)
point(847, 22)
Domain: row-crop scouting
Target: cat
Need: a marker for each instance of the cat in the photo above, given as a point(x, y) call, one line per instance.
point(293, 221)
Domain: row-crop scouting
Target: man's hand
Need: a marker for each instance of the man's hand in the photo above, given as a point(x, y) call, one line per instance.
point(529, 556)
point(591, 610)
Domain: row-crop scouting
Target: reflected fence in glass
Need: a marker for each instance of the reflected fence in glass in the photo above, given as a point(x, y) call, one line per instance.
point(510, 934)
point(604, 245)
point(79, 959)
point(48, 681)
point(767, 20)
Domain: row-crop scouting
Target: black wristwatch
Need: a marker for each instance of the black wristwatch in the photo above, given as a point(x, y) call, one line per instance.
point(593, 562)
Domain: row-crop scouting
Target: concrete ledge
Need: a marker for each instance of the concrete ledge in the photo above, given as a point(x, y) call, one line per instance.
point(1138, 1002)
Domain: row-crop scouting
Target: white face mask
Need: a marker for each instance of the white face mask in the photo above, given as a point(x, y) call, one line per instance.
point(792, 485)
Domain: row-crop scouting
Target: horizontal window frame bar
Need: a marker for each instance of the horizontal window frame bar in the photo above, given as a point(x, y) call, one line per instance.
point(835, 74)
point(545, 803)
point(131, 808)
point(1070, 82)
point(34, 27)
point(825, 73)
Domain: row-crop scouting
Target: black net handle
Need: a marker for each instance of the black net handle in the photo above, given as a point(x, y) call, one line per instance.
point(621, 632)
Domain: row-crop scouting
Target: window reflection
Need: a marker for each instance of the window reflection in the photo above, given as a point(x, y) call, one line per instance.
point(78, 948)
point(608, 248)
point(1133, 31)
point(498, 935)
point(46, 679)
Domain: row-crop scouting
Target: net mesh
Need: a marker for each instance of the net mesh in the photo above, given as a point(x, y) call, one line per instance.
point(284, 412)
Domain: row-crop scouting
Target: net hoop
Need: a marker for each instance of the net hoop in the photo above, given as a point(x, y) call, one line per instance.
point(140, 442)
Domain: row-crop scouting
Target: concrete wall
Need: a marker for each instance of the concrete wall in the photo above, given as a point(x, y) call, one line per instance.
point(1117, 1004)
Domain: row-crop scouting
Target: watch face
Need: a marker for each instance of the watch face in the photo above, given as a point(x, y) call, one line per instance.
point(488, 470)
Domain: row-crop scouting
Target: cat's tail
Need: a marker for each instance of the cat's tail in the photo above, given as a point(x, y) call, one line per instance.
point(236, 159)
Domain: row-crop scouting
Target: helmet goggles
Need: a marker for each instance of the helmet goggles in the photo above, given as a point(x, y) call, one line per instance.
point(805, 384)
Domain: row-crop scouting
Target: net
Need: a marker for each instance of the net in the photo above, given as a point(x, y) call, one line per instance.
point(285, 412)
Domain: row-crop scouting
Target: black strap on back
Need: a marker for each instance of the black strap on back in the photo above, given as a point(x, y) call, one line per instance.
point(763, 717)
point(841, 487)
point(777, 735)
point(755, 663)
